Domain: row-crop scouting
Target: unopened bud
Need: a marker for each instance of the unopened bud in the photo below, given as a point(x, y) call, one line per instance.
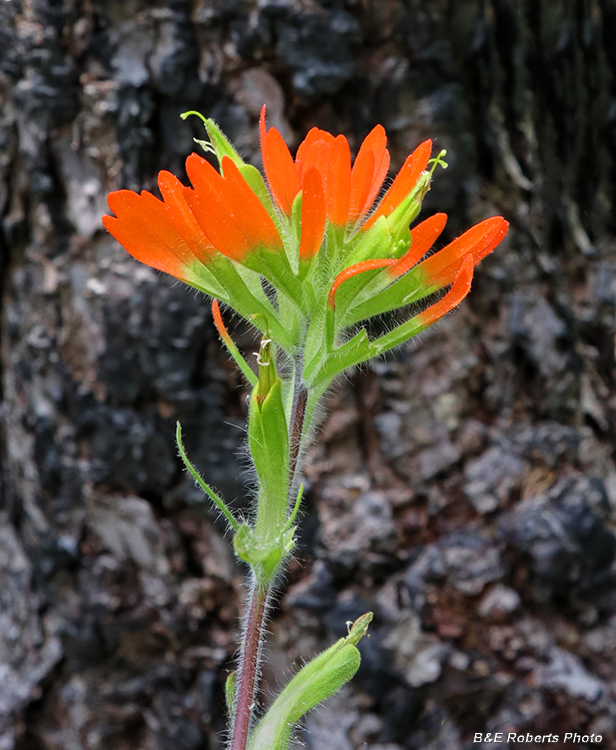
point(267, 369)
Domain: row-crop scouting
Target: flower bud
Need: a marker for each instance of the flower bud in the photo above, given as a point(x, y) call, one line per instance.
point(268, 438)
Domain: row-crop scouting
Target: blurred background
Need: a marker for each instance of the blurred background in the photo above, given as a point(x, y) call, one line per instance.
point(463, 488)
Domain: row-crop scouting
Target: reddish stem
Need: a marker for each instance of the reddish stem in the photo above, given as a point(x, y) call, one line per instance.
point(297, 427)
point(249, 668)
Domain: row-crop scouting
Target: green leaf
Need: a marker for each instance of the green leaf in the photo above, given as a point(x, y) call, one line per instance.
point(374, 243)
point(314, 683)
point(245, 294)
point(276, 268)
point(364, 287)
point(218, 501)
point(205, 281)
point(347, 355)
point(411, 287)
point(398, 336)
point(295, 510)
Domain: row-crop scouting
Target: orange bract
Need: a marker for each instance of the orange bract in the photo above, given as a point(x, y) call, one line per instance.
point(423, 236)
point(477, 242)
point(221, 212)
point(459, 289)
point(348, 273)
point(369, 171)
point(314, 135)
point(279, 168)
point(152, 233)
point(406, 179)
point(182, 217)
point(317, 194)
point(228, 210)
point(349, 193)
point(313, 215)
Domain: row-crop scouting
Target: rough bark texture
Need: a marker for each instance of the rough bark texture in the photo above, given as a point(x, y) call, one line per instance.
point(463, 489)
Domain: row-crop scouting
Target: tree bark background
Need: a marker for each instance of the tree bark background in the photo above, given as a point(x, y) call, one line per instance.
point(464, 489)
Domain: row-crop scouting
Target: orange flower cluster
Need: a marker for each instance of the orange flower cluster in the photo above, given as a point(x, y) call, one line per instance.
point(316, 225)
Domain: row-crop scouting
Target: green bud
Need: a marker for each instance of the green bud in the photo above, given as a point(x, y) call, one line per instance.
point(268, 439)
point(267, 369)
point(317, 681)
point(400, 219)
point(230, 692)
point(218, 144)
point(222, 145)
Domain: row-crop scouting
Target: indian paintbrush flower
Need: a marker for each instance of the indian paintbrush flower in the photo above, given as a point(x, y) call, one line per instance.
point(312, 253)
point(306, 256)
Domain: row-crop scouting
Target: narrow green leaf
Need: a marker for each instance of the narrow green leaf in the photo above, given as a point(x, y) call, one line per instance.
point(398, 336)
point(295, 510)
point(218, 501)
point(235, 354)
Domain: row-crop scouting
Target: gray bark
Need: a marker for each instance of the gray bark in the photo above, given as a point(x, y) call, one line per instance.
point(464, 489)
